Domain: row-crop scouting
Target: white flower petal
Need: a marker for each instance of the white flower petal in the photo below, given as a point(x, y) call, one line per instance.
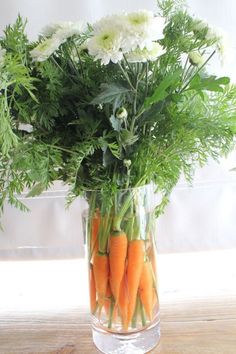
point(116, 35)
point(63, 30)
point(217, 37)
point(45, 49)
point(50, 29)
point(222, 43)
point(143, 55)
point(105, 43)
point(141, 28)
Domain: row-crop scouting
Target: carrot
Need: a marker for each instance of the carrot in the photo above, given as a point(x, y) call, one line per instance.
point(115, 313)
point(117, 257)
point(92, 289)
point(94, 233)
point(134, 270)
point(111, 311)
point(123, 302)
point(146, 289)
point(101, 274)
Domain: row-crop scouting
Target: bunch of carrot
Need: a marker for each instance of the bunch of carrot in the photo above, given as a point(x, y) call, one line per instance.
point(121, 277)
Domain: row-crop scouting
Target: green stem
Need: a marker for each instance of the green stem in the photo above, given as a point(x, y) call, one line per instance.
point(118, 218)
point(129, 66)
point(143, 316)
point(91, 212)
point(126, 205)
point(199, 69)
point(146, 79)
point(129, 229)
point(134, 319)
point(56, 63)
point(104, 231)
point(111, 314)
point(62, 149)
point(126, 76)
point(154, 281)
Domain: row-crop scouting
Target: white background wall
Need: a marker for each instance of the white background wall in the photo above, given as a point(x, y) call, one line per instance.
point(198, 218)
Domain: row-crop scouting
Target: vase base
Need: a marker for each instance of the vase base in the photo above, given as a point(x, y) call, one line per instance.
point(139, 342)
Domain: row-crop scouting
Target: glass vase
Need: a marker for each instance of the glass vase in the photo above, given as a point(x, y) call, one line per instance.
point(121, 251)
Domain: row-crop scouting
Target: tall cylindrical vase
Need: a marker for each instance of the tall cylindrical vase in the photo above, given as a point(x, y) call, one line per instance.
point(121, 249)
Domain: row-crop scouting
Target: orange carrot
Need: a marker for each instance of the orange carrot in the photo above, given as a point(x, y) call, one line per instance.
point(115, 313)
point(123, 302)
point(117, 257)
point(134, 270)
point(92, 289)
point(94, 233)
point(108, 302)
point(146, 289)
point(101, 273)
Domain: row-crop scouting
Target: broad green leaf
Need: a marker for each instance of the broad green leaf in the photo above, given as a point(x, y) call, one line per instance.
point(211, 83)
point(110, 93)
point(161, 92)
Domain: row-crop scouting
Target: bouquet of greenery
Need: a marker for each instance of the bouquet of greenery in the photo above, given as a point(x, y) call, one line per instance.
point(108, 107)
point(115, 105)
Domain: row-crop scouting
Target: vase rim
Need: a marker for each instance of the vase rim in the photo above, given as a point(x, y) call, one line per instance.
point(124, 189)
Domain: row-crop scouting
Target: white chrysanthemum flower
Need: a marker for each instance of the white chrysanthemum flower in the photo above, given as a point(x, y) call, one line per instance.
point(44, 49)
point(143, 55)
point(195, 58)
point(63, 30)
point(50, 29)
point(105, 44)
point(141, 28)
point(68, 29)
point(218, 37)
point(2, 55)
point(114, 21)
point(222, 43)
point(200, 25)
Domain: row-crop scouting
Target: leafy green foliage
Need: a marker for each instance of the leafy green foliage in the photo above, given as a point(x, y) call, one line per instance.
point(110, 93)
point(160, 93)
point(211, 83)
point(58, 118)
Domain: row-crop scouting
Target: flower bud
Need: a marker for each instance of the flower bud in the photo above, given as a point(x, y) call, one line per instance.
point(127, 163)
point(121, 113)
point(195, 58)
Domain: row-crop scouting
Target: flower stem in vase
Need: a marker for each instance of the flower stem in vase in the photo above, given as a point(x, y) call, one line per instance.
point(111, 313)
point(143, 316)
point(137, 310)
